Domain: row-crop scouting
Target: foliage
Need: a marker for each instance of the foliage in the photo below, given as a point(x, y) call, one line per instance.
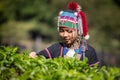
point(17, 66)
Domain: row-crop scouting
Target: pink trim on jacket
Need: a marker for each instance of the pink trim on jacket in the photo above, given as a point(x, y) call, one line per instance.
point(48, 53)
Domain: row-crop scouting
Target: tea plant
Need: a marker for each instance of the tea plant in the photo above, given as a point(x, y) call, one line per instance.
point(19, 66)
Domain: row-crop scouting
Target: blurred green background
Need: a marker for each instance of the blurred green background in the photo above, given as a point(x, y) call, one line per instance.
point(32, 25)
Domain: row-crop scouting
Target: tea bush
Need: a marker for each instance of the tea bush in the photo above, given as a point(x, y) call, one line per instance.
point(19, 66)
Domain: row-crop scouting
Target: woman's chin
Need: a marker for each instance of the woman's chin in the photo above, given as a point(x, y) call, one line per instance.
point(67, 43)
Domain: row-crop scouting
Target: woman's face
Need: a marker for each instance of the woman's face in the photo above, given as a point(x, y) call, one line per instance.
point(68, 35)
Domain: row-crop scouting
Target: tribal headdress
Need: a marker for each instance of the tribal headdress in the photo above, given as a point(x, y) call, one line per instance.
point(73, 17)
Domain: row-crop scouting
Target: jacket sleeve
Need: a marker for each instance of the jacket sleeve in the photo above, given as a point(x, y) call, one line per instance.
point(50, 52)
point(43, 53)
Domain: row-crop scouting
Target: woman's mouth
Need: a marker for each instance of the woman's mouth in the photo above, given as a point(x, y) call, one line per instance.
point(66, 40)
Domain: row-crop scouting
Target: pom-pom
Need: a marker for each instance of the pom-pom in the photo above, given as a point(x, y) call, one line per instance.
point(72, 6)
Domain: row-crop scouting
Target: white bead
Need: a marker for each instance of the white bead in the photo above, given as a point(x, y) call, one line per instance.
point(60, 12)
point(87, 37)
point(76, 14)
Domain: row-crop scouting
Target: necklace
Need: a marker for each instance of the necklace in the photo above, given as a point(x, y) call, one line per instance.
point(76, 53)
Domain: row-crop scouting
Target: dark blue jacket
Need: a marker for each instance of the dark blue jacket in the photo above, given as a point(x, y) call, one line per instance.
point(56, 50)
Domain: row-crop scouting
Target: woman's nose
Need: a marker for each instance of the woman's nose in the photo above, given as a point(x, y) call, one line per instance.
point(65, 34)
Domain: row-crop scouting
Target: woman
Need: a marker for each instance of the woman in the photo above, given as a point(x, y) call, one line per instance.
point(73, 31)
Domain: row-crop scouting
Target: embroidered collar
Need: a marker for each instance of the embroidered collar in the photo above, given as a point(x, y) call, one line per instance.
point(77, 51)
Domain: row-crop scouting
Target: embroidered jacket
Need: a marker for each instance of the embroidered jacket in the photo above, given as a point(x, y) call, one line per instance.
point(56, 50)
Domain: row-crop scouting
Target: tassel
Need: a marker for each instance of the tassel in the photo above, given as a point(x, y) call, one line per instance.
point(84, 23)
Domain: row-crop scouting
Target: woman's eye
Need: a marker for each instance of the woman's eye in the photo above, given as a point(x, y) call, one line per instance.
point(61, 30)
point(69, 31)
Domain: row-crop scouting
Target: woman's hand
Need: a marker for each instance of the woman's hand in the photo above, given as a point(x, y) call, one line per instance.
point(33, 55)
